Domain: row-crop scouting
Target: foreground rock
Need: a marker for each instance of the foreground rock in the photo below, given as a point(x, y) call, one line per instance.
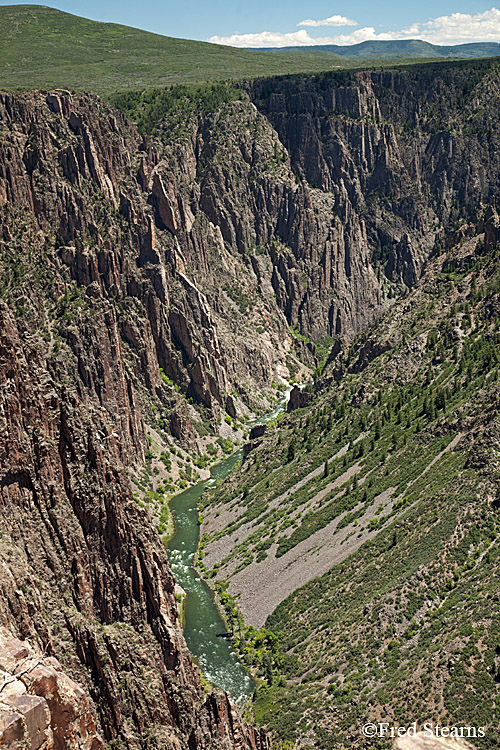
point(41, 708)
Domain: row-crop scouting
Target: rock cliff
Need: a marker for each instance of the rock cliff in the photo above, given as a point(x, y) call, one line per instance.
point(84, 575)
point(152, 282)
point(40, 706)
point(122, 277)
point(404, 154)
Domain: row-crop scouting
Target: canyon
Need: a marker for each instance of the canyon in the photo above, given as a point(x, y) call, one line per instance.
point(156, 288)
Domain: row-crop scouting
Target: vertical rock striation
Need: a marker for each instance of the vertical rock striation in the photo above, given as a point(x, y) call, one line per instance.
point(156, 279)
point(406, 154)
point(85, 577)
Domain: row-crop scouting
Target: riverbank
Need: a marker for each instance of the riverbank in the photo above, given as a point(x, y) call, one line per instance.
point(204, 631)
point(224, 660)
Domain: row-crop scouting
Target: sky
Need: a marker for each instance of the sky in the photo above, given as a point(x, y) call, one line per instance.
point(279, 23)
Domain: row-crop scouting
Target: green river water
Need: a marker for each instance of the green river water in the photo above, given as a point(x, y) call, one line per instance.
point(204, 630)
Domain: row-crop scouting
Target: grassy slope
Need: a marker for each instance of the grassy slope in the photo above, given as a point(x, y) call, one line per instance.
point(406, 628)
point(45, 48)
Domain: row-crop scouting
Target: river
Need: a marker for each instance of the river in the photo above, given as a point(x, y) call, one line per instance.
point(204, 630)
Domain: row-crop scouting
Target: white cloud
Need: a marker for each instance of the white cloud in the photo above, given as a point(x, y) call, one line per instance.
point(270, 39)
point(463, 27)
point(331, 21)
point(454, 29)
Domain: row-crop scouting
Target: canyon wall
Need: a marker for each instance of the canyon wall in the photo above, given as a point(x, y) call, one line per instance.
point(155, 280)
point(84, 576)
point(407, 154)
point(87, 319)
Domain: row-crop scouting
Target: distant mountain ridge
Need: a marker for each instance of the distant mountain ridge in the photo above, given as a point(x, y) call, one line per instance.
point(406, 48)
point(41, 47)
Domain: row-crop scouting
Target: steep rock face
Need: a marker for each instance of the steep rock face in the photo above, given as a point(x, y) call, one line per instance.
point(313, 259)
point(100, 301)
point(84, 574)
point(130, 264)
point(104, 213)
point(405, 153)
point(300, 216)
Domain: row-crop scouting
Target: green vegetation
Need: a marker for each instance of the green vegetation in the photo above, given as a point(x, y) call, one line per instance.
point(239, 297)
point(321, 348)
point(41, 47)
point(151, 107)
point(401, 456)
point(45, 48)
point(257, 648)
point(226, 444)
point(407, 48)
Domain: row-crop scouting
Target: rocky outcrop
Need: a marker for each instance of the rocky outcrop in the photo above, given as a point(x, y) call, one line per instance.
point(41, 708)
point(298, 399)
point(257, 431)
point(491, 229)
point(404, 154)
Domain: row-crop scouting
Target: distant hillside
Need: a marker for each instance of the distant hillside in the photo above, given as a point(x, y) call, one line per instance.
point(400, 48)
point(45, 48)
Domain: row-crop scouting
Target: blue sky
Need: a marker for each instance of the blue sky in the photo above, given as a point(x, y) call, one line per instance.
point(294, 22)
